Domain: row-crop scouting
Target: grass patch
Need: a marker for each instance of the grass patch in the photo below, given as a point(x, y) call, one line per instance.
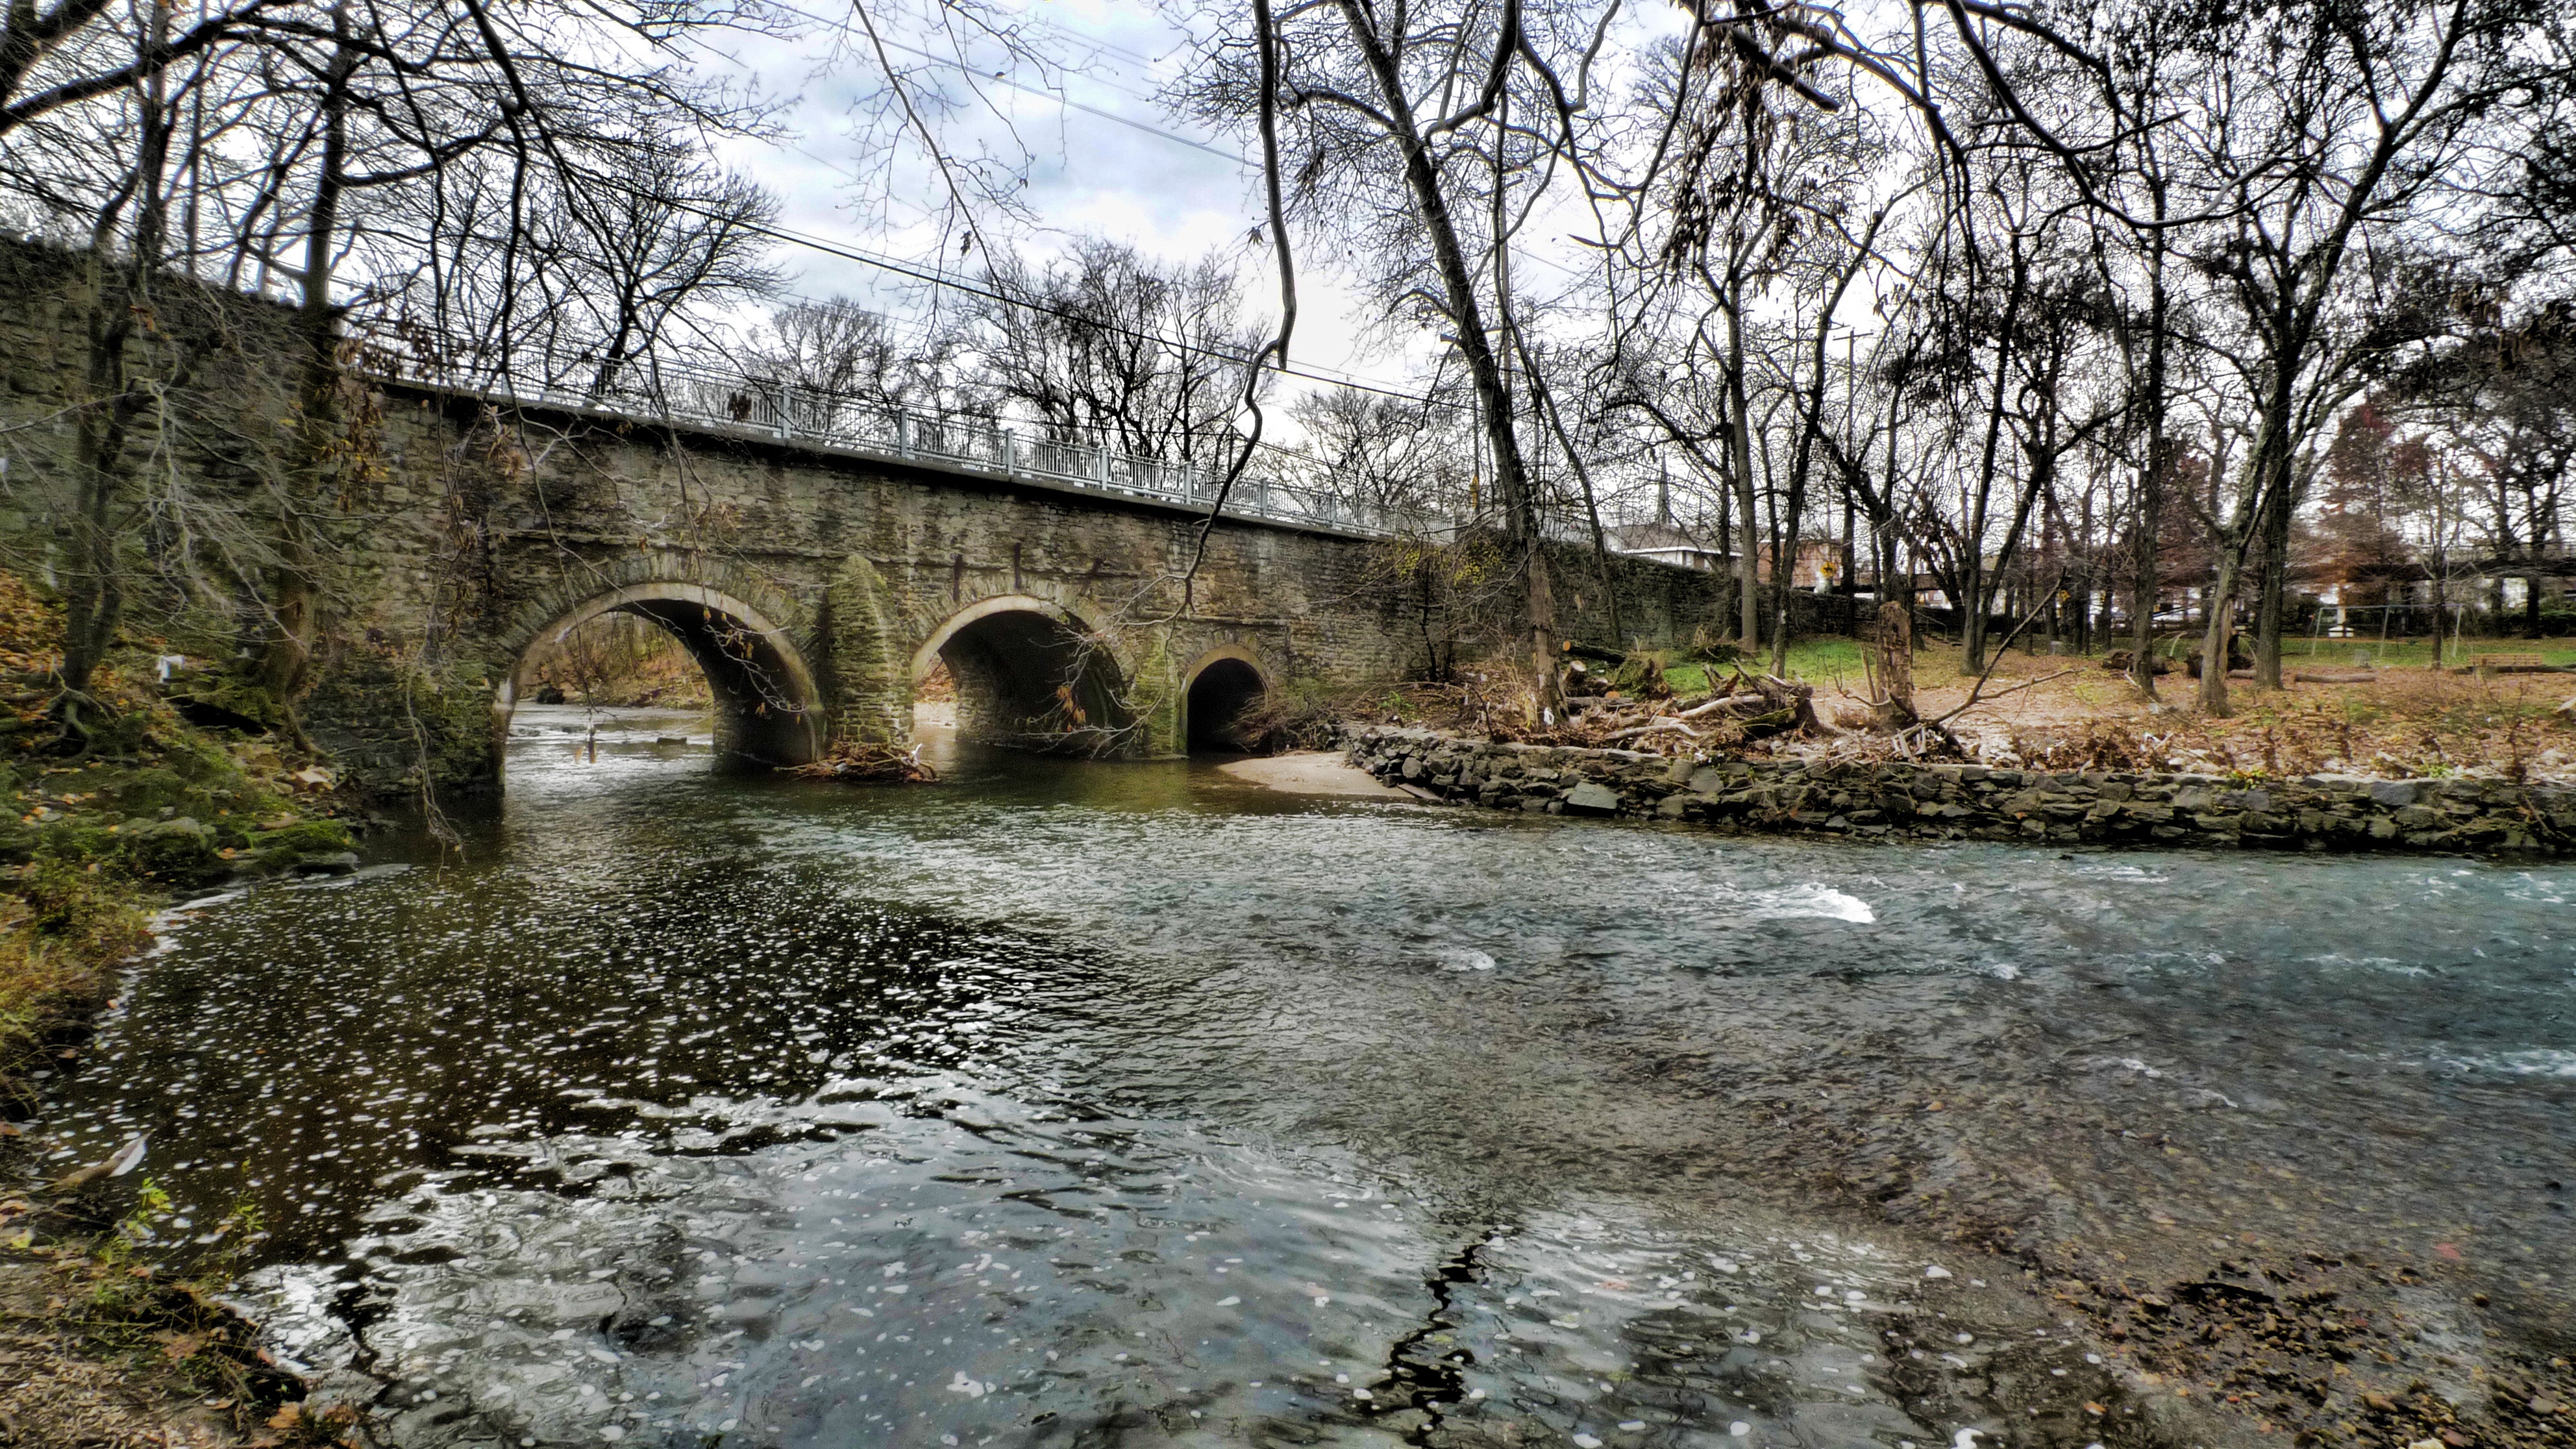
point(1816, 660)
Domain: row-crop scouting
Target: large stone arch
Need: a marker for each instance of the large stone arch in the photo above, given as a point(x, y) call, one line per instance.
point(769, 704)
point(1031, 672)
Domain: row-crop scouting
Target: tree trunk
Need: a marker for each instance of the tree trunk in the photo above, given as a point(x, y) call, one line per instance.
point(2276, 575)
point(2151, 482)
point(1739, 443)
point(1582, 475)
point(1895, 709)
point(286, 664)
point(2267, 477)
point(119, 292)
point(1784, 570)
point(1475, 346)
point(1972, 611)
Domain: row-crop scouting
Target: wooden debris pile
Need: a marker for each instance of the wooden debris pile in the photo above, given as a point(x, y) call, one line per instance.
point(862, 763)
point(1612, 699)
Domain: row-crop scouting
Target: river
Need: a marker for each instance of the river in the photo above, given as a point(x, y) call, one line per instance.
point(1076, 1103)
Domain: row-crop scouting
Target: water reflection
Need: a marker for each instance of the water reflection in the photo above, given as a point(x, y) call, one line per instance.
point(1076, 1103)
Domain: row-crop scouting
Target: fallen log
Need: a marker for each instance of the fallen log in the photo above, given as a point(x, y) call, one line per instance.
point(1778, 721)
point(1652, 726)
point(2310, 676)
point(1731, 701)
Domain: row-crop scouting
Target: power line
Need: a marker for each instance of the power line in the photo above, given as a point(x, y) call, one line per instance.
point(917, 273)
point(1042, 92)
point(920, 273)
point(1107, 115)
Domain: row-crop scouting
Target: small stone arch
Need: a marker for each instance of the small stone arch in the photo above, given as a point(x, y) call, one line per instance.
point(1030, 673)
point(767, 703)
point(1216, 690)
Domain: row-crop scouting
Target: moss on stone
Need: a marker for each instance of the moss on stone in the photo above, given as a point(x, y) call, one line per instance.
point(393, 727)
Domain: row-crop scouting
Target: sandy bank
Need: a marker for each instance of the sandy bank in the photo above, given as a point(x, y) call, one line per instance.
point(1311, 772)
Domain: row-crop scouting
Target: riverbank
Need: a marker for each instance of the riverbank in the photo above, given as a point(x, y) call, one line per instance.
point(1902, 800)
point(98, 1346)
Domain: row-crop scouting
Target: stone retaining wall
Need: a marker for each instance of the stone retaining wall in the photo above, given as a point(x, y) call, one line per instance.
point(1969, 802)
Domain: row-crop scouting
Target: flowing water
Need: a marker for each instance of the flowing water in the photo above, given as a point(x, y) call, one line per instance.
point(1096, 1104)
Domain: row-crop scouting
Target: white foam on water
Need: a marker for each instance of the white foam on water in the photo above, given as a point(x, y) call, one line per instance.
point(1813, 902)
point(1462, 958)
point(2533, 1062)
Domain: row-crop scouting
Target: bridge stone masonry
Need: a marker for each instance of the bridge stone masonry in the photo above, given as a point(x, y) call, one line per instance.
point(815, 584)
point(817, 590)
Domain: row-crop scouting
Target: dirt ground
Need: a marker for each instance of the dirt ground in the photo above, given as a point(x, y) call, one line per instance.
point(2401, 722)
point(62, 1388)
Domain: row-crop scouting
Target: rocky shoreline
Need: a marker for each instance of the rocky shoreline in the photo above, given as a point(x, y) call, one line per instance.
point(1901, 800)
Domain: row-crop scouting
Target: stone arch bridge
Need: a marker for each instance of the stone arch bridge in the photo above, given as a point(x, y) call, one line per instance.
point(817, 561)
point(817, 585)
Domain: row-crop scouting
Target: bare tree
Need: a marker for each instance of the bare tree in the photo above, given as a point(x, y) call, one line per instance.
point(1109, 345)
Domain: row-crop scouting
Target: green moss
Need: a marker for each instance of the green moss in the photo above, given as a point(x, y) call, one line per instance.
point(148, 791)
point(229, 701)
point(393, 727)
point(93, 913)
point(181, 851)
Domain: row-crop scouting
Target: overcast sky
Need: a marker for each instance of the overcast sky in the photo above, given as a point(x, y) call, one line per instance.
point(1087, 174)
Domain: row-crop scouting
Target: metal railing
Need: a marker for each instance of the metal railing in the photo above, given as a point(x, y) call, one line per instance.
point(739, 404)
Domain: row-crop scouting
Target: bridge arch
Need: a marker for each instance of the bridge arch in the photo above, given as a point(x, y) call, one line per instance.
point(1030, 673)
point(767, 705)
point(1216, 691)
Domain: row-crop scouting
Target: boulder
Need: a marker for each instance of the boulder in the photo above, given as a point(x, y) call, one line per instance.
point(1591, 798)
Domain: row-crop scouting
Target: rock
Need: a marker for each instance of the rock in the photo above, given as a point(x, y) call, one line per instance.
point(1590, 798)
point(306, 847)
point(179, 850)
point(341, 863)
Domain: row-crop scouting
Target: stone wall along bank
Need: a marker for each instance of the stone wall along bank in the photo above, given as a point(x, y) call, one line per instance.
point(1969, 802)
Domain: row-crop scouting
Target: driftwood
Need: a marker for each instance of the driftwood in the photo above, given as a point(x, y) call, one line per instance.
point(1797, 700)
point(869, 764)
point(1755, 706)
point(1650, 727)
point(1720, 704)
